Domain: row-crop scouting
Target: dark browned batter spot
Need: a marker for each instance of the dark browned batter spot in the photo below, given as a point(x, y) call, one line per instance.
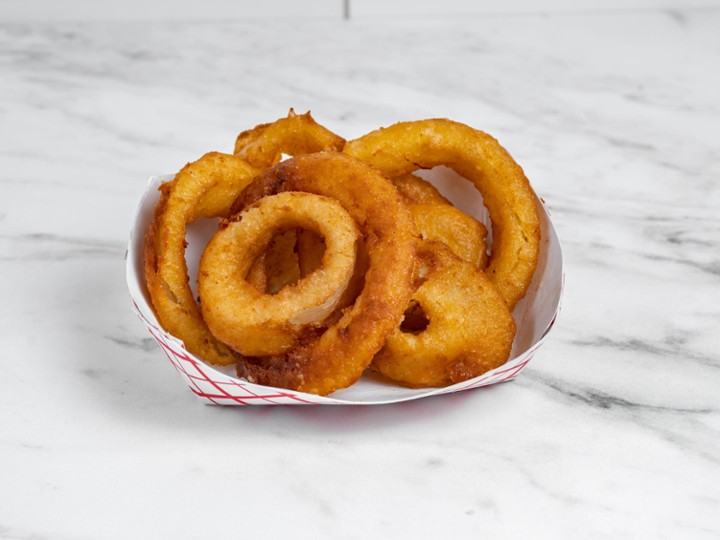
point(343, 332)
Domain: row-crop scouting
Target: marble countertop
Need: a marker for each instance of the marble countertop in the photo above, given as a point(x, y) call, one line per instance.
point(613, 429)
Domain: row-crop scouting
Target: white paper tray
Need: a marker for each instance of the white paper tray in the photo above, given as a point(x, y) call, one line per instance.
point(534, 315)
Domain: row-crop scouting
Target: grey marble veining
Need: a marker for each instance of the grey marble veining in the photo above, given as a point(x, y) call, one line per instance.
point(613, 430)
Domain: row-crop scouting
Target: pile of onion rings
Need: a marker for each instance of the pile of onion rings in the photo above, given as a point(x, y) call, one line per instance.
point(338, 259)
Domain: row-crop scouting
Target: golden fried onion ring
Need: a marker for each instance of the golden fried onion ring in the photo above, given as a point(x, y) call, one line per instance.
point(469, 327)
point(310, 250)
point(296, 135)
point(262, 147)
point(205, 188)
point(475, 155)
point(338, 357)
point(278, 265)
point(437, 219)
point(417, 190)
point(463, 234)
point(259, 324)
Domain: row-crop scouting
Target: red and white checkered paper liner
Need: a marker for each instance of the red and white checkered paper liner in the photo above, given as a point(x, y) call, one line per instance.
point(534, 315)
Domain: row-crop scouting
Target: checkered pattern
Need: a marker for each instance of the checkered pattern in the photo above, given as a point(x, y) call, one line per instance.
point(216, 388)
point(213, 386)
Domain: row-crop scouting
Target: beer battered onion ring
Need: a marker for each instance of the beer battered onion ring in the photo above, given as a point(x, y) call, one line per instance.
point(310, 251)
point(259, 324)
point(205, 188)
point(463, 234)
point(415, 190)
point(337, 358)
point(298, 134)
point(468, 329)
point(475, 155)
point(278, 265)
point(262, 147)
point(437, 219)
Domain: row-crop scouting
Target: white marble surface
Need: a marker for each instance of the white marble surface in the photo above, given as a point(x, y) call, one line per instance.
point(613, 430)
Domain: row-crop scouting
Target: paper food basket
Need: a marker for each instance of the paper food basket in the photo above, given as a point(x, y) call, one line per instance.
point(535, 314)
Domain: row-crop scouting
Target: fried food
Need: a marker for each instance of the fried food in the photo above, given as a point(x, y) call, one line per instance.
point(310, 250)
point(457, 326)
point(278, 266)
point(437, 219)
point(205, 188)
point(475, 155)
point(337, 358)
point(262, 147)
point(339, 258)
point(295, 135)
point(463, 234)
point(258, 324)
point(415, 190)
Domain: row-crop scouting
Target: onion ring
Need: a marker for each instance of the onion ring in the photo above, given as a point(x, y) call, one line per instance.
point(310, 249)
point(463, 234)
point(475, 155)
point(253, 323)
point(262, 147)
point(337, 358)
point(278, 266)
point(418, 191)
point(437, 219)
point(468, 328)
point(296, 135)
point(205, 188)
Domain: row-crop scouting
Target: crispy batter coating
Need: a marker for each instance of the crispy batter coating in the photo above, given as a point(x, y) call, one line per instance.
point(337, 358)
point(458, 326)
point(340, 258)
point(262, 147)
point(204, 188)
point(475, 155)
point(415, 190)
point(463, 234)
point(295, 135)
point(437, 219)
point(255, 323)
point(310, 250)
point(278, 266)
